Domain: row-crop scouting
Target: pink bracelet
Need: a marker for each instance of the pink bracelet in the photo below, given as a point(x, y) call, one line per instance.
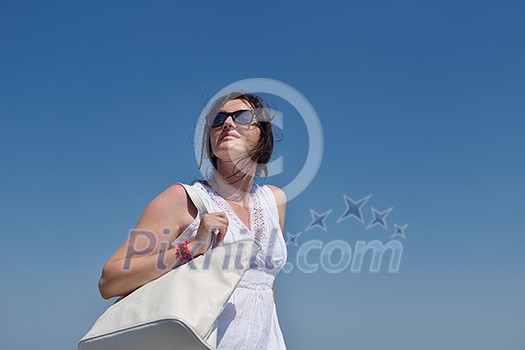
point(184, 252)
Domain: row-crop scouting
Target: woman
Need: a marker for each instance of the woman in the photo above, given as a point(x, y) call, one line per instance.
point(238, 140)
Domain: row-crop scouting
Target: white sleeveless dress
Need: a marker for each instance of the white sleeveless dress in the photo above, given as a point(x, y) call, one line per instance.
point(249, 320)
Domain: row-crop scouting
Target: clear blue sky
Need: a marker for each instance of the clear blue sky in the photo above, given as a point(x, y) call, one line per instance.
point(421, 104)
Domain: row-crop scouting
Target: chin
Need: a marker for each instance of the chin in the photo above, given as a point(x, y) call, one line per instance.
point(232, 154)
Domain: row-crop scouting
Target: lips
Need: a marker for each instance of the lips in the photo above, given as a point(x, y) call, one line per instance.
point(228, 135)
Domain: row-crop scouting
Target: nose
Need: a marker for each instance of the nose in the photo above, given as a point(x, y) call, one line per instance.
point(228, 123)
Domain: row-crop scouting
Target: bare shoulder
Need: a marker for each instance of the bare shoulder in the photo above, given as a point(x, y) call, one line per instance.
point(174, 194)
point(165, 217)
point(280, 196)
point(170, 208)
point(172, 197)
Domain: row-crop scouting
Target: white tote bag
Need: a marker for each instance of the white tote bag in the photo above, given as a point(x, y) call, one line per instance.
point(179, 309)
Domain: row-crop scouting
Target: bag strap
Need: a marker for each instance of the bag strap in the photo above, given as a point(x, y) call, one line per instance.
point(196, 199)
point(201, 206)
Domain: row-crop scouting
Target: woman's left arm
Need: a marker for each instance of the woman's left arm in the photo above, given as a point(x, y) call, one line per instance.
point(280, 198)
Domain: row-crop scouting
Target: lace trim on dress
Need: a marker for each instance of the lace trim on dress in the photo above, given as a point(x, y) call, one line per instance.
point(259, 226)
point(256, 212)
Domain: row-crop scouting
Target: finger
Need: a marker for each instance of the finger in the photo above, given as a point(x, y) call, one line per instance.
point(223, 221)
point(220, 214)
point(222, 233)
point(218, 221)
point(217, 232)
point(211, 222)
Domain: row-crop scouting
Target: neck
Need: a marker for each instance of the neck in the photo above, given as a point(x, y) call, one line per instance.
point(231, 183)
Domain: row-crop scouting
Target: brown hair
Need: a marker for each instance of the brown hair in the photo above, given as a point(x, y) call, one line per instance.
point(263, 150)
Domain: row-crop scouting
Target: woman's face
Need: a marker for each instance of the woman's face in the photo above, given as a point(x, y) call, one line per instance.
point(231, 141)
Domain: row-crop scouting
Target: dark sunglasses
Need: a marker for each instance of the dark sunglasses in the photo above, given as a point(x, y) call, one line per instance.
point(242, 117)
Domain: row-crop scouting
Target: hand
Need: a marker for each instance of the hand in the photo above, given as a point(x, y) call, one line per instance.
point(210, 222)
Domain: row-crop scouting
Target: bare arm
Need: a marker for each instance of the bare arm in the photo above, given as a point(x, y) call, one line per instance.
point(161, 223)
point(280, 198)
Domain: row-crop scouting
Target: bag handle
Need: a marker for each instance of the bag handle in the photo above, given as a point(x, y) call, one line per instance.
point(201, 206)
point(196, 199)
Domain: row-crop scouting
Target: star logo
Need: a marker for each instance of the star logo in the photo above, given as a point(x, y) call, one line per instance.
point(399, 231)
point(292, 239)
point(353, 208)
point(379, 218)
point(318, 220)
